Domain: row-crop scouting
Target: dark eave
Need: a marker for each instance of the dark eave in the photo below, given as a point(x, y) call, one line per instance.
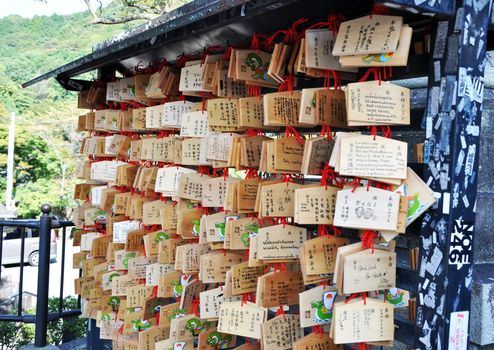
point(200, 24)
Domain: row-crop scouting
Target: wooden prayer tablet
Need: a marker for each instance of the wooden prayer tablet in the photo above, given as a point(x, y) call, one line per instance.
point(320, 254)
point(316, 340)
point(252, 67)
point(369, 270)
point(223, 112)
point(315, 205)
point(318, 46)
point(316, 306)
point(374, 103)
point(280, 242)
point(277, 200)
point(279, 288)
point(167, 180)
point(368, 35)
point(282, 108)
point(288, 154)
point(420, 195)
point(280, 332)
point(380, 158)
point(191, 79)
point(390, 59)
point(248, 325)
point(330, 108)
point(358, 321)
point(367, 209)
point(194, 124)
point(211, 301)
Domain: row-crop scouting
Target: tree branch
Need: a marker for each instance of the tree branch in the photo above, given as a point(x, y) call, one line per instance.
point(141, 7)
point(124, 19)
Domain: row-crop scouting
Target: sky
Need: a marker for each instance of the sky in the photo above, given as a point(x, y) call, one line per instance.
point(30, 8)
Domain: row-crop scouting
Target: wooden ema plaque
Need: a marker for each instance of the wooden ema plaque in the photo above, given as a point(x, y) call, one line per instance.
point(372, 209)
point(358, 321)
point(374, 103)
point(245, 320)
point(279, 288)
point(280, 332)
point(380, 34)
point(320, 254)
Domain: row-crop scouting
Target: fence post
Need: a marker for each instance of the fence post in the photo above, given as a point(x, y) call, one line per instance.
point(43, 277)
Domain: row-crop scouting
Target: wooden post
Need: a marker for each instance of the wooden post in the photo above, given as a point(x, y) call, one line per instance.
point(452, 123)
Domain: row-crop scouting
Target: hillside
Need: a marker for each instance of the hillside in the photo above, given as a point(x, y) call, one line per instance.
point(45, 139)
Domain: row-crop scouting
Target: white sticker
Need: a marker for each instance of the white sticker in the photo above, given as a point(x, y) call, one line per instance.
point(458, 331)
point(446, 203)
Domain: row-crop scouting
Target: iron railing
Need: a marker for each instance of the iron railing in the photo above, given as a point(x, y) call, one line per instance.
point(42, 317)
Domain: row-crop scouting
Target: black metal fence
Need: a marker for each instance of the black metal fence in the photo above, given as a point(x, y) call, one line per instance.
point(42, 317)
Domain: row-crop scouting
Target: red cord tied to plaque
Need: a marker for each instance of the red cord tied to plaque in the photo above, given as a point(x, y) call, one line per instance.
point(290, 131)
point(355, 183)
point(246, 297)
point(334, 22)
point(326, 132)
point(296, 178)
point(203, 170)
point(372, 131)
point(195, 307)
point(378, 9)
point(227, 54)
point(182, 60)
point(246, 255)
point(328, 74)
point(356, 295)
point(281, 221)
point(322, 230)
point(251, 173)
point(280, 311)
point(205, 96)
point(318, 330)
point(254, 90)
point(157, 316)
point(325, 176)
point(386, 130)
point(287, 84)
point(259, 40)
point(368, 239)
point(362, 346)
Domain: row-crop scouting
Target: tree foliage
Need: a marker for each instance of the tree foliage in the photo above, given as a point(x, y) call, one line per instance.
point(46, 113)
point(131, 10)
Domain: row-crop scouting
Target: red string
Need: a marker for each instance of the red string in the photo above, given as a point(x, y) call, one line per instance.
point(326, 132)
point(195, 307)
point(368, 239)
point(287, 84)
point(378, 9)
point(254, 90)
point(251, 173)
point(373, 131)
point(375, 71)
point(356, 183)
point(290, 131)
point(322, 230)
point(334, 22)
point(203, 170)
point(318, 330)
point(336, 79)
point(280, 311)
point(386, 130)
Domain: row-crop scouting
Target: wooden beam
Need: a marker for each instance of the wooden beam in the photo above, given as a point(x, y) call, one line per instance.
point(452, 121)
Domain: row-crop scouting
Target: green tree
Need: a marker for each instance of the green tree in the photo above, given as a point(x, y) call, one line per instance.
point(131, 10)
